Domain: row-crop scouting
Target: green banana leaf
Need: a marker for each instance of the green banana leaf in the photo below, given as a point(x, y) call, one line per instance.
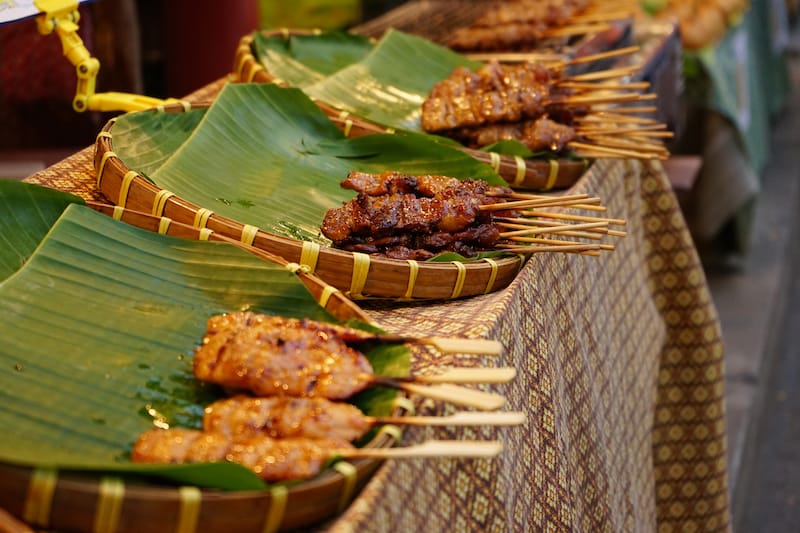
point(268, 156)
point(303, 59)
point(99, 321)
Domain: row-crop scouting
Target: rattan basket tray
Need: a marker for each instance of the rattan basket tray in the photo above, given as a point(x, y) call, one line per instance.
point(357, 275)
point(74, 501)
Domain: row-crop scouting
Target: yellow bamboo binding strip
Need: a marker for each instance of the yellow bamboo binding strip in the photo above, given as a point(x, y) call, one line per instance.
point(393, 431)
point(201, 217)
point(109, 505)
point(255, 68)
point(277, 507)
point(205, 234)
point(360, 272)
point(519, 178)
point(126, 186)
point(160, 202)
point(309, 255)
point(402, 402)
point(348, 124)
point(494, 160)
point(189, 511)
point(103, 135)
point(413, 272)
point(39, 500)
point(103, 160)
point(462, 274)
point(327, 292)
point(492, 275)
point(348, 486)
point(118, 212)
point(249, 234)
point(551, 179)
point(163, 225)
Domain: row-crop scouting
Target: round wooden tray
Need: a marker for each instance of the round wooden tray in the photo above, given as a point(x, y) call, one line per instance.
point(357, 275)
point(70, 501)
point(519, 173)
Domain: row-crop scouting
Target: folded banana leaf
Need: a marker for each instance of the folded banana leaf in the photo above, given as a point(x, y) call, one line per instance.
point(268, 156)
point(99, 321)
point(386, 86)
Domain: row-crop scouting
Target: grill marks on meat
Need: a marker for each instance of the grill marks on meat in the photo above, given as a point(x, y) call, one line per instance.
point(413, 217)
point(271, 356)
point(242, 417)
point(493, 93)
point(271, 459)
point(502, 102)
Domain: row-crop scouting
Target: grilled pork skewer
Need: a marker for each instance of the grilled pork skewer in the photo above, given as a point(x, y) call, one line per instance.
point(275, 356)
point(282, 459)
point(242, 417)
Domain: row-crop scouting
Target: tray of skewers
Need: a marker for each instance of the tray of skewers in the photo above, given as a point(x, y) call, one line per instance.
point(378, 215)
point(537, 122)
point(159, 378)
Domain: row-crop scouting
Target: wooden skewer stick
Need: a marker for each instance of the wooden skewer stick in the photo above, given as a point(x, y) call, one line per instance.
point(613, 118)
point(454, 394)
point(516, 57)
point(619, 152)
point(449, 345)
point(628, 109)
point(618, 72)
point(469, 375)
point(590, 233)
point(428, 449)
point(602, 98)
point(601, 55)
point(592, 86)
point(565, 216)
point(637, 144)
point(601, 246)
point(576, 205)
point(463, 418)
point(536, 202)
point(556, 248)
point(552, 229)
point(577, 29)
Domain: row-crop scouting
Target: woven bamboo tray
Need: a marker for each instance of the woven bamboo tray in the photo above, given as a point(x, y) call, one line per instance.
point(357, 275)
point(519, 173)
point(70, 501)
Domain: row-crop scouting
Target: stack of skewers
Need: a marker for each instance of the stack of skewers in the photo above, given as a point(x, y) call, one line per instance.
point(293, 419)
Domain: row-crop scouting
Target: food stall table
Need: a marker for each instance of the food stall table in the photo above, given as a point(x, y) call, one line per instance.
point(620, 374)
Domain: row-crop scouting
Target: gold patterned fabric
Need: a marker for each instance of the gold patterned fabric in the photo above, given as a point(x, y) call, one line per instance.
point(620, 373)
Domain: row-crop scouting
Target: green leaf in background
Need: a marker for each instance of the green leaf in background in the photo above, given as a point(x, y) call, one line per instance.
point(304, 59)
point(267, 156)
point(390, 84)
point(99, 326)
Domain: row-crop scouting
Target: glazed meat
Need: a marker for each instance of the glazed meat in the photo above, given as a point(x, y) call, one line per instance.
point(242, 417)
point(274, 356)
point(493, 93)
point(414, 217)
point(271, 459)
point(537, 135)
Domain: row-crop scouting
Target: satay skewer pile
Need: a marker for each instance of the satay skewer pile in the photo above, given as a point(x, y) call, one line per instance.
point(416, 217)
point(299, 370)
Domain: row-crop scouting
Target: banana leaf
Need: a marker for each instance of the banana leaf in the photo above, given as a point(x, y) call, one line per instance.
point(304, 59)
point(268, 156)
point(99, 321)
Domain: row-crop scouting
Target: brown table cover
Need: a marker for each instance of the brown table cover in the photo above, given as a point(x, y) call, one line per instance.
point(620, 372)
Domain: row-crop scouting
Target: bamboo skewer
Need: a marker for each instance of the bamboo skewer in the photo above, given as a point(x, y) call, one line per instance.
point(468, 375)
point(619, 152)
point(551, 229)
point(515, 57)
point(464, 396)
point(600, 56)
point(428, 449)
point(463, 418)
point(588, 233)
point(591, 86)
point(556, 248)
point(618, 72)
point(447, 345)
point(538, 202)
point(628, 109)
point(536, 240)
point(604, 117)
point(565, 216)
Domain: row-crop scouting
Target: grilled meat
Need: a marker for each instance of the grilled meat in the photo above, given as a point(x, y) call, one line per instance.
point(273, 356)
point(243, 417)
point(537, 135)
point(271, 459)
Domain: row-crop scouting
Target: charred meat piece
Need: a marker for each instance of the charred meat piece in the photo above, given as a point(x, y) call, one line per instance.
point(494, 93)
point(537, 135)
point(273, 356)
point(243, 417)
point(271, 459)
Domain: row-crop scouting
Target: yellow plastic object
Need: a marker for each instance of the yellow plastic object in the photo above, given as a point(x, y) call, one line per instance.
point(61, 17)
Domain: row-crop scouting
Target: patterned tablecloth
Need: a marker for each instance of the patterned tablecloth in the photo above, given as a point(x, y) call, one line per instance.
point(620, 372)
